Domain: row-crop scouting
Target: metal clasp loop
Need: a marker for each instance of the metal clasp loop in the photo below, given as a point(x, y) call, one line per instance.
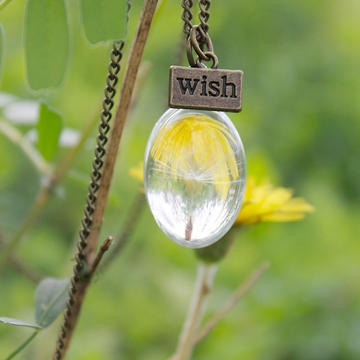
point(197, 37)
point(212, 56)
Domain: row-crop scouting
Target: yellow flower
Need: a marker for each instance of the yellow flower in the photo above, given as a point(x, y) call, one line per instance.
point(266, 203)
point(261, 202)
point(194, 150)
point(138, 172)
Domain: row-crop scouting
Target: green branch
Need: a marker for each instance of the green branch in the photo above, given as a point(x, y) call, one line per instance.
point(4, 3)
point(52, 178)
point(26, 342)
point(16, 137)
point(203, 285)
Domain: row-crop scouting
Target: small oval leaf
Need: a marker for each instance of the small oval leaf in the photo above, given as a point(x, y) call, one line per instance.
point(17, 322)
point(46, 43)
point(104, 19)
point(50, 300)
point(49, 128)
point(2, 50)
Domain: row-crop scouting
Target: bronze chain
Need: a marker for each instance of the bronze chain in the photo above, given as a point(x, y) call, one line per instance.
point(98, 162)
point(204, 14)
point(102, 139)
point(187, 16)
point(197, 35)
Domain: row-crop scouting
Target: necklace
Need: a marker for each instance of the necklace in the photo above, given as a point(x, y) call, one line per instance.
point(194, 168)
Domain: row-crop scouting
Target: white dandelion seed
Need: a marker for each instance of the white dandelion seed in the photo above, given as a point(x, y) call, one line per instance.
point(195, 175)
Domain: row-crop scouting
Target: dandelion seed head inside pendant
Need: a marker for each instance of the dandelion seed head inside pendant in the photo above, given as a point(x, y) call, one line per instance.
point(195, 175)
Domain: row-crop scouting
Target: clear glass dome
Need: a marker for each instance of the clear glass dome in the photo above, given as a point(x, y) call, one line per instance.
point(194, 175)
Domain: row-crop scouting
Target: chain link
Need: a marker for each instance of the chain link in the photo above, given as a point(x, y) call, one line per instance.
point(187, 15)
point(197, 35)
point(102, 139)
point(204, 14)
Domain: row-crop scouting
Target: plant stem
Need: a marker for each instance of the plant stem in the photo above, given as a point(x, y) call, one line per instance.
point(120, 116)
point(203, 284)
point(25, 269)
point(103, 249)
point(230, 303)
point(21, 266)
point(16, 137)
point(128, 227)
point(4, 3)
point(122, 109)
point(71, 154)
point(51, 181)
point(30, 218)
point(26, 342)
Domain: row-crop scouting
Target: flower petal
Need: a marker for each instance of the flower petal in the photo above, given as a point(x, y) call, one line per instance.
point(266, 203)
point(138, 172)
point(297, 205)
point(278, 197)
point(282, 217)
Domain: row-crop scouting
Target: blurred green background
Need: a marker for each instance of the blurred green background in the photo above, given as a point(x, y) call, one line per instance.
point(300, 128)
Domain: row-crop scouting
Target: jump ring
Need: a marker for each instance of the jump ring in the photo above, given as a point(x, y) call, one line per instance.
point(211, 55)
point(189, 53)
point(196, 45)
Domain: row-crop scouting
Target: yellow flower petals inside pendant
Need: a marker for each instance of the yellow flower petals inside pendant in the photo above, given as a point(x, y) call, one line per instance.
point(195, 175)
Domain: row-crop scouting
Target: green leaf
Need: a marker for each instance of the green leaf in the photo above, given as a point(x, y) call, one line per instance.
point(50, 300)
point(17, 322)
point(46, 43)
point(49, 128)
point(4, 3)
point(2, 49)
point(160, 9)
point(104, 19)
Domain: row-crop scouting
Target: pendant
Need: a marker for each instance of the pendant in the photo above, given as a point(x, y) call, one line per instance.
point(194, 167)
point(194, 175)
point(203, 88)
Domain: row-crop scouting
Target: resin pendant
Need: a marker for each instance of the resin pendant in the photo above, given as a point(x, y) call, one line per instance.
point(194, 175)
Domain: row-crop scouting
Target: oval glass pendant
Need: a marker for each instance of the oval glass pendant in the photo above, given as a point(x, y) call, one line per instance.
point(194, 175)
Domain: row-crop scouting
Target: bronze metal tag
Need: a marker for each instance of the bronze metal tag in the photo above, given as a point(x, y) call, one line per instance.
point(205, 89)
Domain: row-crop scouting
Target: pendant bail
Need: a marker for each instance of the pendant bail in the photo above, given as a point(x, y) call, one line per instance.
point(197, 38)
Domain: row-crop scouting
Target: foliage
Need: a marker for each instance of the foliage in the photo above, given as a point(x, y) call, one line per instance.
point(103, 20)
point(300, 128)
point(50, 299)
point(17, 322)
point(1, 49)
point(49, 128)
point(46, 42)
point(47, 35)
